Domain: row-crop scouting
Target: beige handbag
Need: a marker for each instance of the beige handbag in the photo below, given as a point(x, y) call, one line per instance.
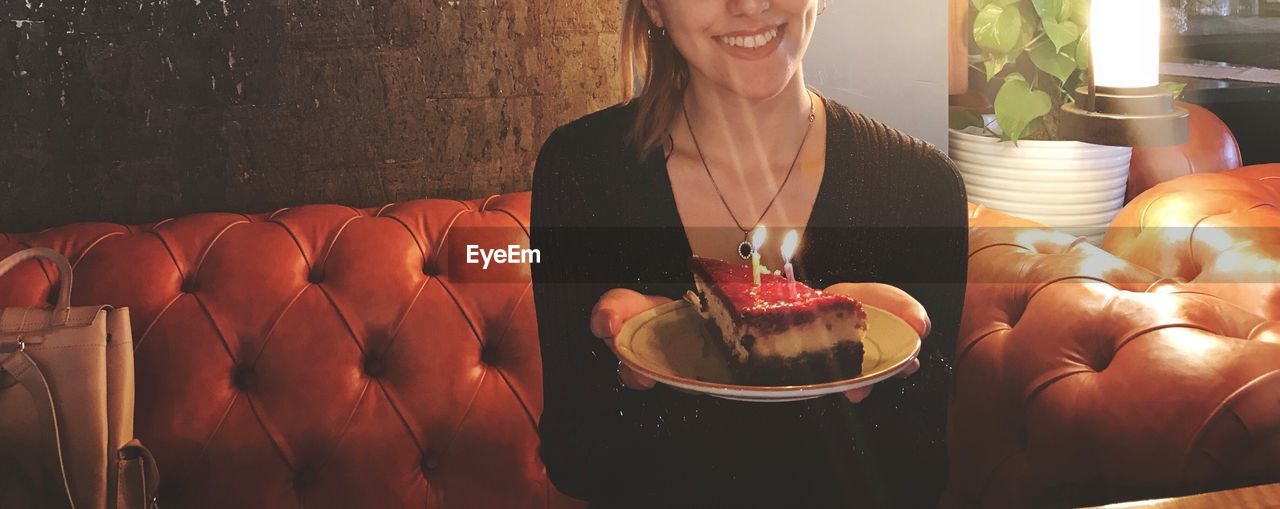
point(66, 405)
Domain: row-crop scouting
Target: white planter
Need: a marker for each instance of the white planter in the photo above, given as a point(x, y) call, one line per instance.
point(1076, 187)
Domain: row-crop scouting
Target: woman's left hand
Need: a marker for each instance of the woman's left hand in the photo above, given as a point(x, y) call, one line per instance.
point(895, 301)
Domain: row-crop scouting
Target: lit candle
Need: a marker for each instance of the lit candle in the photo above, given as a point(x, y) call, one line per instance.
point(757, 240)
point(789, 248)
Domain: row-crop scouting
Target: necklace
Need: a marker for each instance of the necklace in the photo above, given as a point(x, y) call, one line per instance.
point(745, 248)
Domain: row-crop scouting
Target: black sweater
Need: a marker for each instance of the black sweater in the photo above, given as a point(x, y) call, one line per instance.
point(890, 209)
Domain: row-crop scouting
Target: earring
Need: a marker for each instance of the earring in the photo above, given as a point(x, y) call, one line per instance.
point(662, 32)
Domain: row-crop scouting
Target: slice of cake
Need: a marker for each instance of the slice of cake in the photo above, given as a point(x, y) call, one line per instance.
point(772, 337)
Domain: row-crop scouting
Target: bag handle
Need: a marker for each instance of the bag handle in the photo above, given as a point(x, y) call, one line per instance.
point(64, 276)
point(26, 372)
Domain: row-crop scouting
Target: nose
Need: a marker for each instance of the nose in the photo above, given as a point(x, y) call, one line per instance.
point(747, 7)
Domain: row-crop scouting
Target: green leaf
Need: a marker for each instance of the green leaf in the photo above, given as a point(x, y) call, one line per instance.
point(996, 28)
point(980, 4)
point(1061, 34)
point(1174, 86)
point(1076, 11)
point(960, 118)
point(1018, 105)
point(1058, 65)
point(1048, 10)
point(993, 64)
point(1082, 51)
point(1025, 36)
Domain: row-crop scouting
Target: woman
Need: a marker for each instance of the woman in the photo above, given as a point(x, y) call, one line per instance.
point(724, 136)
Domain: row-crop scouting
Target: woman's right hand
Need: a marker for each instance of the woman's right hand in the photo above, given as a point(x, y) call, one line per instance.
point(613, 309)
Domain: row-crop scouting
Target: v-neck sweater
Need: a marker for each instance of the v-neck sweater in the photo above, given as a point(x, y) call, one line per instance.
point(890, 208)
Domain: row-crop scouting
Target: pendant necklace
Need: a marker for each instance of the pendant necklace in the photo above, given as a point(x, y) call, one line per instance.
point(745, 248)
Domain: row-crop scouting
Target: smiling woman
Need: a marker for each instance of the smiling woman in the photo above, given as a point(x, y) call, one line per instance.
point(722, 137)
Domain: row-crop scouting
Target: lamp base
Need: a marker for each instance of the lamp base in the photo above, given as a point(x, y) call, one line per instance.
point(1143, 117)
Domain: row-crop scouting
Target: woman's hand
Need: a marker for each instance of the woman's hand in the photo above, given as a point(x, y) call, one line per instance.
point(614, 308)
point(895, 301)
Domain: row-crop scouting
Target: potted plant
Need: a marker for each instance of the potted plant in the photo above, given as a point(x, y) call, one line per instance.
point(1033, 54)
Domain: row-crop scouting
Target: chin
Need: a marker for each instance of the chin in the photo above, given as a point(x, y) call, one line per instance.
point(758, 86)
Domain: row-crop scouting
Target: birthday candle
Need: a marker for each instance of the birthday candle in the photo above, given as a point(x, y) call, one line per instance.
point(789, 243)
point(757, 240)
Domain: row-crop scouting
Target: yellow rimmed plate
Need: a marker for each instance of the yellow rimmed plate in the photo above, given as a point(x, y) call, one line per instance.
point(673, 345)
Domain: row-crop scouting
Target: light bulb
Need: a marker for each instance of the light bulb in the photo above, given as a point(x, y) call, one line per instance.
point(1124, 37)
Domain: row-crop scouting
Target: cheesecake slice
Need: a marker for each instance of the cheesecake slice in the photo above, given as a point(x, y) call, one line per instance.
point(773, 338)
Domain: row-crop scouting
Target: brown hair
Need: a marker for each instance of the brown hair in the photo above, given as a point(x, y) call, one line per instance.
point(648, 55)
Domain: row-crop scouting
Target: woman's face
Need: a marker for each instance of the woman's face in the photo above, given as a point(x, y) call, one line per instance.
point(751, 47)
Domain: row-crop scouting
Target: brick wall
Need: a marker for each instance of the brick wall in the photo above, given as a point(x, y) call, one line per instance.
point(136, 110)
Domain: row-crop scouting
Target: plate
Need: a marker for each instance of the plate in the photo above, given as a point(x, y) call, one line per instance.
point(672, 344)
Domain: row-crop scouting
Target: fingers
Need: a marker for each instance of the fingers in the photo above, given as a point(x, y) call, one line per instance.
point(889, 298)
point(857, 395)
point(618, 305)
point(613, 309)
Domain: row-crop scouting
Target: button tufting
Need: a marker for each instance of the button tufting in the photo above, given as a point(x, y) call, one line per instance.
point(52, 299)
point(429, 462)
point(305, 476)
point(243, 377)
point(190, 286)
point(315, 277)
point(489, 356)
point(374, 367)
point(428, 269)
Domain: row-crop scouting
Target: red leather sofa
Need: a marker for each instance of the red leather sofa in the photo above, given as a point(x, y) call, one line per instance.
point(1219, 233)
point(1210, 148)
point(325, 356)
point(1148, 368)
point(1084, 378)
point(321, 356)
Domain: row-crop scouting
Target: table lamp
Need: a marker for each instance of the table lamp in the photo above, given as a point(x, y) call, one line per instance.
point(1123, 104)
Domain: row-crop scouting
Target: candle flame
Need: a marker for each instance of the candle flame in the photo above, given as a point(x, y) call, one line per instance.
point(789, 243)
point(757, 238)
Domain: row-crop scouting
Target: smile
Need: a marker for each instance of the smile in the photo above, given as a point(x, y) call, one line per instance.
point(749, 41)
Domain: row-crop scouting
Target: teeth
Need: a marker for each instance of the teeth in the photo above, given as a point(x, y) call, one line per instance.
point(755, 41)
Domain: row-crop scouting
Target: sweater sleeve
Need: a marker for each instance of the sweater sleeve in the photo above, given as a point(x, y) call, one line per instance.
point(907, 416)
point(942, 269)
point(584, 440)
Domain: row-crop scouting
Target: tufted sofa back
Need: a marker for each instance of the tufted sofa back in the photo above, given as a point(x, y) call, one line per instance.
point(1210, 147)
point(1219, 233)
point(1082, 378)
point(325, 356)
point(322, 356)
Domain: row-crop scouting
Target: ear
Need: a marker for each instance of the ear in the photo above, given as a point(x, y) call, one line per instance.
point(655, 12)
